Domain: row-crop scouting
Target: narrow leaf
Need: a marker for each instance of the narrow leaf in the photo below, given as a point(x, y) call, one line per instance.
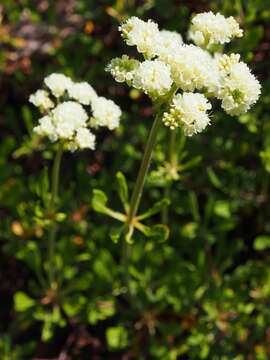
point(122, 189)
point(158, 206)
point(194, 205)
point(99, 201)
point(214, 178)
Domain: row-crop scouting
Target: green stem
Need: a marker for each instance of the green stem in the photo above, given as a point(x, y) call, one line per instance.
point(137, 192)
point(126, 249)
point(172, 153)
point(172, 160)
point(53, 202)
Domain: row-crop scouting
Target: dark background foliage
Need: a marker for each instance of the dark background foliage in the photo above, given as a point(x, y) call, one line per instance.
point(203, 294)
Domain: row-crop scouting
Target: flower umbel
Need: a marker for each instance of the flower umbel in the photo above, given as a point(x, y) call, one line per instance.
point(188, 110)
point(42, 100)
point(143, 35)
point(171, 66)
point(239, 89)
point(69, 121)
point(122, 69)
point(58, 84)
point(106, 113)
point(209, 28)
point(153, 77)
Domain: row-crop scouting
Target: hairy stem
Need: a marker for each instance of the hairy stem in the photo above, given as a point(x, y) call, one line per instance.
point(53, 202)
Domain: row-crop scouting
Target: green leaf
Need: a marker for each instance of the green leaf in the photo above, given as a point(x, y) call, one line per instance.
point(43, 185)
point(28, 118)
point(222, 209)
point(30, 253)
point(214, 178)
point(73, 305)
point(129, 234)
point(122, 189)
point(47, 330)
point(194, 205)
point(22, 302)
point(191, 163)
point(190, 230)
point(99, 201)
point(100, 310)
point(116, 233)
point(158, 206)
point(158, 232)
point(117, 337)
point(262, 242)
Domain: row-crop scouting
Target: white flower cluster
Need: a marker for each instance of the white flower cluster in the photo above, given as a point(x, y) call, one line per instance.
point(67, 116)
point(153, 77)
point(143, 35)
point(170, 66)
point(123, 69)
point(208, 29)
point(188, 110)
point(239, 88)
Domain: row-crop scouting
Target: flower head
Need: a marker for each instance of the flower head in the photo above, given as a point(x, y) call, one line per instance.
point(58, 84)
point(41, 99)
point(106, 113)
point(82, 92)
point(69, 121)
point(224, 62)
point(67, 118)
point(84, 139)
point(153, 77)
point(169, 43)
point(209, 28)
point(142, 34)
point(193, 68)
point(239, 89)
point(188, 110)
point(170, 65)
point(122, 69)
point(46, 128)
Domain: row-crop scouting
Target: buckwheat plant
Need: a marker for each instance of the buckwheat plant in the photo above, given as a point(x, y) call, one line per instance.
point(71, 112)
point(181, 79)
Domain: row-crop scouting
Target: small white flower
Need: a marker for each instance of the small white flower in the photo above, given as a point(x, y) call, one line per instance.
point(209, 28)
point(153, 78)
point(46, 128)
point(84, 139)
point(224, 62)
point(193, 68)
point(64, 130)
point(188, 110)
point(58, 84)
point(41, 99)
point(106, 113)
point(68, 117)
point(144, 35)
point(122, 69)
point(169, 43)
point(82, 92)
point(239, 89)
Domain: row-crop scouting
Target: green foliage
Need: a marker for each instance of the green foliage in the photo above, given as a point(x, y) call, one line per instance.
point(197, 287)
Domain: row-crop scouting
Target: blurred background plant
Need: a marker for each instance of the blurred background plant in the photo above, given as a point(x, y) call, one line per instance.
point(203, 294)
